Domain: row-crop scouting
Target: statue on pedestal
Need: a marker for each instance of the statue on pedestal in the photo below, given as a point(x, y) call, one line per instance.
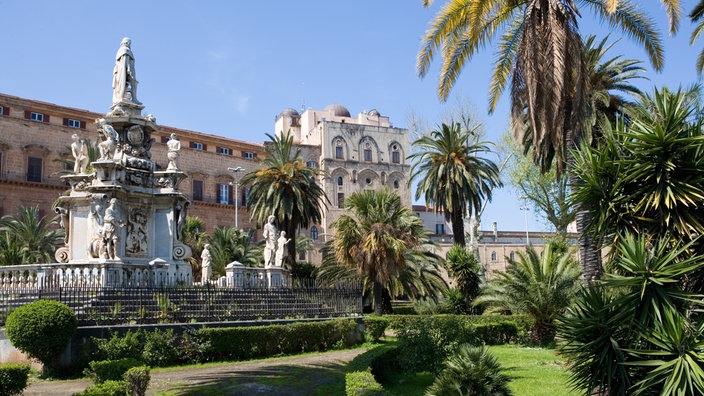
point(112, 221)
point(107, 147)
point(206, 263)
point(174, 146)
point(124, 77)
point(269, 234)
point(79, 149)
point(281, 249)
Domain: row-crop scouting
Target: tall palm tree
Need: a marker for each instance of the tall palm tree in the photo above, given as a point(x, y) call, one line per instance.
point(539, 285)
point(454, 176)
point(540, 50)
point(36, 235)
point(286, 188)
point(697, 17)
point(228, 244)
point(375, 235)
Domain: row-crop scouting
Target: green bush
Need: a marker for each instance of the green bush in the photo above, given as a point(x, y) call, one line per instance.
point(42, 330)
point(117, 347)
point(471, 371)
point(241, 343)
point(13, 378)
point(159, 348)
point(107, 388)
point(359, 379)
point(374, 327)
point(106, 370)
point(137, 379)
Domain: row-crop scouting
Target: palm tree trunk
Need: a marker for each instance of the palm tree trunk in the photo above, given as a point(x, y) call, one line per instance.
point(458, 228)
point(589, 248)
point(378, 303)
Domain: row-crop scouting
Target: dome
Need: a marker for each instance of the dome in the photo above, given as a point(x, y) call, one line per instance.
point(374, 113)
point(290, 112)
point(338, 110)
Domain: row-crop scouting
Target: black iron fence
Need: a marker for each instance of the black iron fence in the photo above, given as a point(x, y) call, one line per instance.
point(96, 306)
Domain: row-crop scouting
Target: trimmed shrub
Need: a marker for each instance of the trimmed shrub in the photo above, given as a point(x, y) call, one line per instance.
point(374, 327)
point(42, 330)
point(159, 348)
point(13, 378)
point(471, 371)
point(359, 379)
point(137, 379)
point(107, 388)
point(117, 347)
point(107, 370)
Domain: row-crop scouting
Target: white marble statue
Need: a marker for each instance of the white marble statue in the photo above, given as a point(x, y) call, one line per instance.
point(124, 77)
point(206, 264)
point(270, 233)
point(112, 221)
point(79, 149)
point(174, 146)
point(107, 147)
point(281, 249)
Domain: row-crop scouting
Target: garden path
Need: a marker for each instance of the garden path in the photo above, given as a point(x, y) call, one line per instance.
point(310, 374)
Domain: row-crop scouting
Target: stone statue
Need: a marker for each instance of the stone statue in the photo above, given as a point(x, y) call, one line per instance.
point(206, 262)
point(180, 219)
point(124, 77)
point(79, 149)
point(281, 249)
point(174, 147)
point(63, 220)
point(107, 147)
point(112, 221)
point(137, 232)
point(269, 234)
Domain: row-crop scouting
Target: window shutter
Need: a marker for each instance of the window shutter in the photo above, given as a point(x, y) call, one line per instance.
point(27, 114)
point(65, 121)
point(164, 139)
point(230, 200)
point(243, 154)
point(205, 147)
point(191, 145)
point(217, 197)
point(83, 125)
point(46, 118)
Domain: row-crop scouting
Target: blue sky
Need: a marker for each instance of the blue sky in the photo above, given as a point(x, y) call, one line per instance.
point(229, 67)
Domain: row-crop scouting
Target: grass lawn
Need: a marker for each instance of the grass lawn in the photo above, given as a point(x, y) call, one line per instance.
point(534, 371)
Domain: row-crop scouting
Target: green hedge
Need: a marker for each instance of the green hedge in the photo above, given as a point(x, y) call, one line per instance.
point(359, 380)
point(107, 388)
point(374, 327)
point(110, 370)
point(13, 378)
point(242, 343)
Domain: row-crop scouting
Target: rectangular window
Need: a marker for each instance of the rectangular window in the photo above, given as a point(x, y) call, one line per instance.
point(368, 155)
point(440, 229)
point(396, 157)
point(338, 152)
point(248, 154)
point(36, 116)
point(34, 169)
point(196, 146)
point(311, 164)
point(340, 200)
point(224, 194)
point(197, 190)
point(2, 110)
point(74, 123)
point(224, 150)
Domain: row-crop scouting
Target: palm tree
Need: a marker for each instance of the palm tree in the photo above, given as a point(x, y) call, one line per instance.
point(697, 17)
point(93, 155)
point(541, 50)
point(375, 235)
point(36, 235)
point(11, 251)
point(471, 371)
point(193, 235)
point(539, 285)
point(228, 244)
point(464, 268)
point(454, 176)
point(286, 188)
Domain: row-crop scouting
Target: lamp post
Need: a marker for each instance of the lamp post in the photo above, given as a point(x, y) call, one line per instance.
point(236, 171)
point(526, 209)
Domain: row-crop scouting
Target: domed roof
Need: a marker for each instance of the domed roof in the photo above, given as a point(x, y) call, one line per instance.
point(374, 112)
point(338, 110)
point(290, 112)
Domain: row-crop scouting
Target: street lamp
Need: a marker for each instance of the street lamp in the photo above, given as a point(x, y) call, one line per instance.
point(236, 171)
point(526, 209)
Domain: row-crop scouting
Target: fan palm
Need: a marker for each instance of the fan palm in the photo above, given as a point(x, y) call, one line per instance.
point(11, 251)
point(539, 285)
point(454, 176)
point(286, 188)
point(375, 235)
point(37, 235)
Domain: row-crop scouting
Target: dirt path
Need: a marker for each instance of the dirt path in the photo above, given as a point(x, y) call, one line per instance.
point(314, 374)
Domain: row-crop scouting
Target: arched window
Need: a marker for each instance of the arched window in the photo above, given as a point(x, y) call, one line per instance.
point(396, 184)
point(395, 154)
point(314, 233)
point(493, 256)
point(512, 255)
point(339, 180)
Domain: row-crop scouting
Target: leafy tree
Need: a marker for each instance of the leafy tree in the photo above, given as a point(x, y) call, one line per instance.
point(286, 188)
point(454, 176)
point(37, 236)
point(539, 285)
point(375, 235)
point(228, 244)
